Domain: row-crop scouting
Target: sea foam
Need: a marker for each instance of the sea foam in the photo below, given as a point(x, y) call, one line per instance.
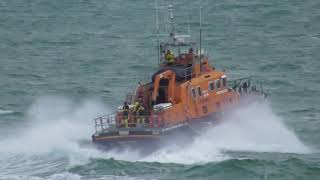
point(58, 125)
point(251, 128)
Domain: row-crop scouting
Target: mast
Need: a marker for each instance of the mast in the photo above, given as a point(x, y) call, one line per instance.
point(188, 18)
point(158, 44)
point(200, 27)
point(171, 20)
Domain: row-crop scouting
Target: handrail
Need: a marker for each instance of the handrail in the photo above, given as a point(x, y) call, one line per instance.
point(105, 122)
point(186, 75)
point(251, 86)
point(238, 81)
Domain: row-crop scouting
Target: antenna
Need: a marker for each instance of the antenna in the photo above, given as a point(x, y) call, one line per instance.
point(188, 17)
point(165, 18)
point(200, 34)
point(156, 4)
point(171, 19)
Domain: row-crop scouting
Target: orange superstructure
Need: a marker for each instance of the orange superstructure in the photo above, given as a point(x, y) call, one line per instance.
point(206, 92)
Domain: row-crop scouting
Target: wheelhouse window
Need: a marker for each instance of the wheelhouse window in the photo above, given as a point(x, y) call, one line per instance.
point(199, 91)
point(218, 84)
point(224, 82)
point(211, 86)
point(193, 91)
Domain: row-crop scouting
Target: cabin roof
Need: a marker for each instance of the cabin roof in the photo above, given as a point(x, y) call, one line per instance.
point(206, 77)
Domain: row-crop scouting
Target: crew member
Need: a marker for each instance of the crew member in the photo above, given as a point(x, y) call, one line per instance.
point(191, 50)
point(136, 107)
point(169, 57)
point(240, 90)
point(139, 111)
point(140, 114)
point(125, 109)
point(245, 87)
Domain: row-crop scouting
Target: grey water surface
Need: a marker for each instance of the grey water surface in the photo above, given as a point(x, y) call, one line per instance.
point(62, 63)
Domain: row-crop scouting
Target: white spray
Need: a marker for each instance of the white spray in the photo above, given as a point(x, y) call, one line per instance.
point(251, 128)
point(58, 124)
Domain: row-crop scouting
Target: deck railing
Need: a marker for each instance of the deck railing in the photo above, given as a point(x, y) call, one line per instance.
point(107, 122)
point(104, 122)
point(188, 73)
point(251, 86)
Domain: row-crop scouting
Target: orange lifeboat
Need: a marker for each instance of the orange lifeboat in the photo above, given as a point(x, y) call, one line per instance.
point(185, 92)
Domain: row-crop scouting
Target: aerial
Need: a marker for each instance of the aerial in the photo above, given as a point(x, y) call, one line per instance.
point(173, 89)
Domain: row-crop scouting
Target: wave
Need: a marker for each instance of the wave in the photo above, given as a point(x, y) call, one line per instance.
point(255, 167)
point(58, 176)
point(66, 176)
point(2, 111)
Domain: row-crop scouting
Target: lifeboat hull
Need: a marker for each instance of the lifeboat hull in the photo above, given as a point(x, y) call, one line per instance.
point(148, 140)
point(145, 143)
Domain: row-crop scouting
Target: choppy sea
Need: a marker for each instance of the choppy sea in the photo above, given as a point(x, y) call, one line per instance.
point(62, 63)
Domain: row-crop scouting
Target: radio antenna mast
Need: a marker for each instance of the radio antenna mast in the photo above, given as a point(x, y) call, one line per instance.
point(188, 18)
point(200, 24)
point(158, 45)
point(171, 19)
